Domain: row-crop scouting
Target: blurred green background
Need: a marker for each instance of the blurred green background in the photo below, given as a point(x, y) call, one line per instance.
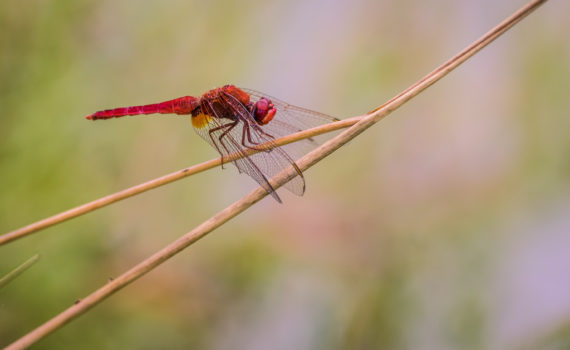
point(445, 226)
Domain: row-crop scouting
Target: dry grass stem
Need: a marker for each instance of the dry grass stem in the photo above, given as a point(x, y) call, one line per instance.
point(18, 270)
point(163, 180)
point(256, 195)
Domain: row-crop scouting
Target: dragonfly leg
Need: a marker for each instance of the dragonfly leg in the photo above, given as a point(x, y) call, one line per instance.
point(228, 126)
point(246, 133)
point(260, 130)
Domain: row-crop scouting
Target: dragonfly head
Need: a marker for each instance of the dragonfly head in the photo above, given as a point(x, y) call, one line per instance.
point(263, 111)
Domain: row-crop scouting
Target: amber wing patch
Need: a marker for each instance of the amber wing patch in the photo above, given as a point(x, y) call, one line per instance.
point(200, 120)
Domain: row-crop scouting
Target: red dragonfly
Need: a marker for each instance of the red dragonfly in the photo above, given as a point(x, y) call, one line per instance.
point(233, 120)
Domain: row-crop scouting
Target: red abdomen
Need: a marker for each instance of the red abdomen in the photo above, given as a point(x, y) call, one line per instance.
point(182, 105)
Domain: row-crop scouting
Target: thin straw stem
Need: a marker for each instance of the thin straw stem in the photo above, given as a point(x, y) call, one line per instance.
point(163, 180)
point(18, 270)
point(247, 201)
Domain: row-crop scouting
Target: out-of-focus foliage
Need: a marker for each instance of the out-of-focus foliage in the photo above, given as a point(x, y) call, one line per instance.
point(445, 226)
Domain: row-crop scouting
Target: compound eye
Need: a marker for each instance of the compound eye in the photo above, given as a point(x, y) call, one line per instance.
point(264, 111)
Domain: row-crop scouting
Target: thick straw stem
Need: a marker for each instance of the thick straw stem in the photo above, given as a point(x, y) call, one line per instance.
point(256, 195)
point(163, 180)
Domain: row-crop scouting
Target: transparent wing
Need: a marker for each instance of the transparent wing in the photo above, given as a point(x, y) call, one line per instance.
point(229, 136)
point(270, 162)
point(234, 136)
point(290, 119)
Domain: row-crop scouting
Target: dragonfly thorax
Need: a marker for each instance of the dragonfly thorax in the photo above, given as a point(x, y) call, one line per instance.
point(221, 103)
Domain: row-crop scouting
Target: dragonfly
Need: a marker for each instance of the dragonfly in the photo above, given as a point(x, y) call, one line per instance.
point(234, 120)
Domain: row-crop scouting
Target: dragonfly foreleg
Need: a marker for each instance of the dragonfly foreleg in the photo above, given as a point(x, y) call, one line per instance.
point(260, 130)
point(246, 134)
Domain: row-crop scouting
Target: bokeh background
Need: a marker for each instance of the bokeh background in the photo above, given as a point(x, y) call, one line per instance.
point(445, 226)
